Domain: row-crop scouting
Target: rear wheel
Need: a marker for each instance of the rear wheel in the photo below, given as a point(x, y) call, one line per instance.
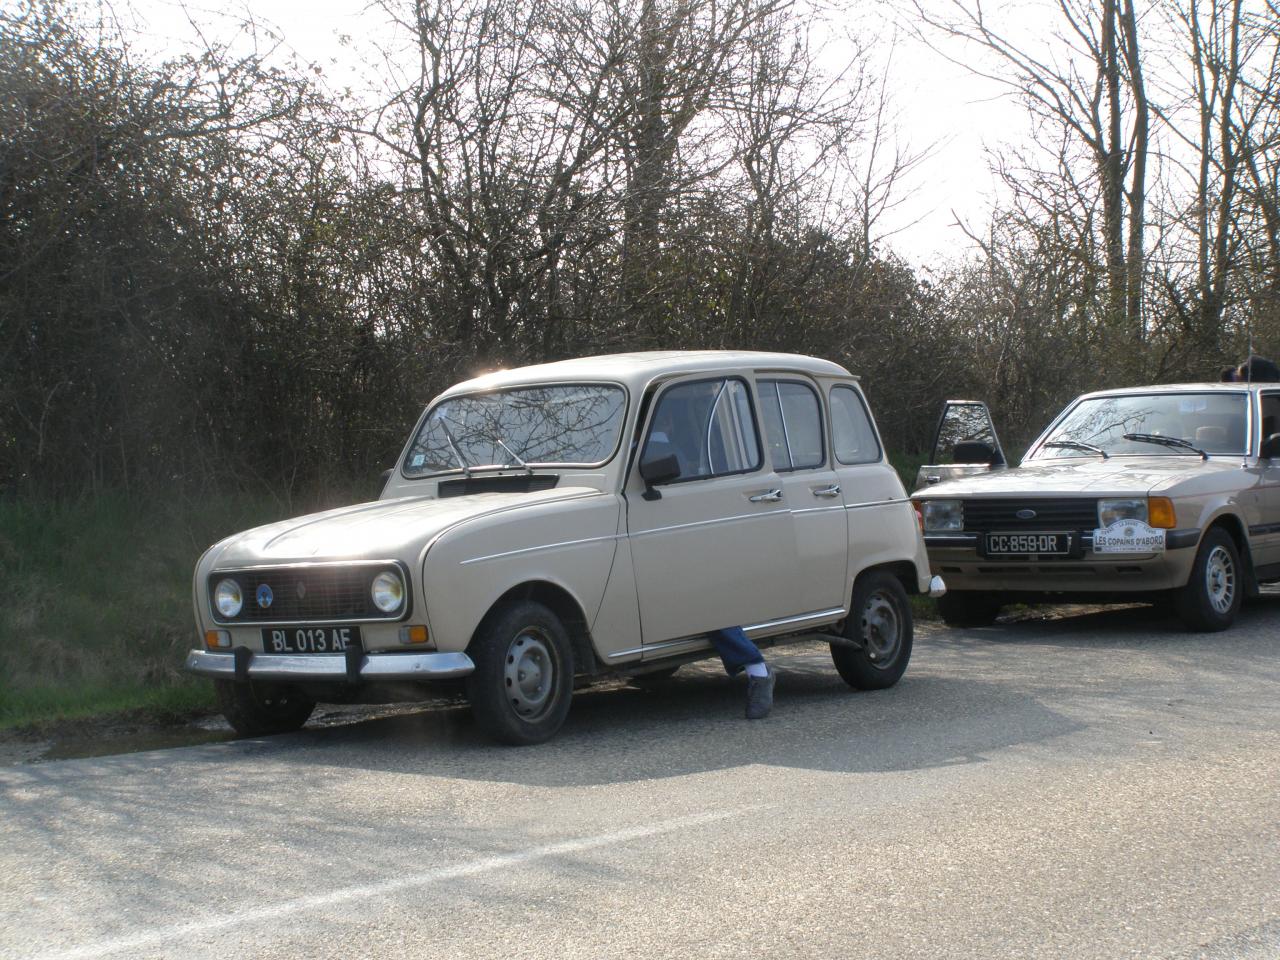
point(523, 681)
point(968, 608)
point(880, 625)
point(1211, 599)
point(259, 709)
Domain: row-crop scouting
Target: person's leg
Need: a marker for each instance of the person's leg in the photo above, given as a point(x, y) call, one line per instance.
point(736, 650)
point(738, 653)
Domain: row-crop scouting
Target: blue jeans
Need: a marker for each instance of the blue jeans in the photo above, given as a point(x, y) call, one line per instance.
point(735, 650)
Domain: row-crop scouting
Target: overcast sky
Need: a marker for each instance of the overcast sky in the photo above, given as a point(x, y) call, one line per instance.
point(940, 105)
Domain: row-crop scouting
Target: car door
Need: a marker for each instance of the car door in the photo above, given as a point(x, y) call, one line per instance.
point(706, 544)
point(964, 443)
point(795, 438)
point(1264, 529)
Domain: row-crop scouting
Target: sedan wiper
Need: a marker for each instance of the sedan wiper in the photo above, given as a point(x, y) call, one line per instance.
point(1077, 445)
point(453, 445)
point(1166, 442)
point(514, 455)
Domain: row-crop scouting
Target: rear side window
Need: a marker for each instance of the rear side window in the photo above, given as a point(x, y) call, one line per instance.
point(792, 424)
point(708, 426)
point(855, 438)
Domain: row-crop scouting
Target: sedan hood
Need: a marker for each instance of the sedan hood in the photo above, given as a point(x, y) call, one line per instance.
point(1120, 476)
point(378, 530)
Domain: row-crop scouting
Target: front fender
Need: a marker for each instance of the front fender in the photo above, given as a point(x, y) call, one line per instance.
point(469, 567)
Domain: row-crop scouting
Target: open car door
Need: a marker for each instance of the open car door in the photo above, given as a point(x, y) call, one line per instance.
point(964, 443)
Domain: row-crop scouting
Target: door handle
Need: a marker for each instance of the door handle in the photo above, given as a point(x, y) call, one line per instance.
point(769, 496)
point(831, 491)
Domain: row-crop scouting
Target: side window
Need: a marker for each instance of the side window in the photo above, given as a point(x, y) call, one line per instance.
point(1270, 414)
point(709, 428)
point(792, 424)
point(855, 439)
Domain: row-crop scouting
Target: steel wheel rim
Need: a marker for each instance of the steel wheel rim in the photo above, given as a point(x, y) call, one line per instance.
point(529, 674)
point(1220, 579)
point(881, 629)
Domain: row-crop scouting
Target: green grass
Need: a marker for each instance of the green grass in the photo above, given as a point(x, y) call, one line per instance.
point(97, 614)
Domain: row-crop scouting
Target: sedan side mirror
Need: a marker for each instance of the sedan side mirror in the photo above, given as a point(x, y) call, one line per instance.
point(1270, 449)
point(658, 471)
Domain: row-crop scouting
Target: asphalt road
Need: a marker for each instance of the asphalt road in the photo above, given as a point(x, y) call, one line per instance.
point(1103, 785)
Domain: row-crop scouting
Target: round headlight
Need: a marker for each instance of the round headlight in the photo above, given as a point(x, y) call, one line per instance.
point(388, 591)
point(228, 598)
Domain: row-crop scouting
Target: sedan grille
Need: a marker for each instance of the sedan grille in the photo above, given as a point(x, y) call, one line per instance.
point(319, 593)
point(1065, 514)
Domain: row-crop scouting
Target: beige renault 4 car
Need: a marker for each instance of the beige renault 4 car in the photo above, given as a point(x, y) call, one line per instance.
point(1168, 494)
point(553, 524)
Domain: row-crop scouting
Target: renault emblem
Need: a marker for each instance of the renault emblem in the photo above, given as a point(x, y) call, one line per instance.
point(1025, 514)
point(265, 596)
point(301, 590)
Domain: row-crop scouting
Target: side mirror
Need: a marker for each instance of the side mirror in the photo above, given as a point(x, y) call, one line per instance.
point(1270, 448)
point(658, 471)
point(382, 482)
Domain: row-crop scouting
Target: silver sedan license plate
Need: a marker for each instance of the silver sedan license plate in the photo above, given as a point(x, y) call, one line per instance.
point(1028, 544)
point(308, 639)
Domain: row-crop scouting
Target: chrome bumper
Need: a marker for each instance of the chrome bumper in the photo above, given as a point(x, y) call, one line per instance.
point(937, 587)
point(305, 667)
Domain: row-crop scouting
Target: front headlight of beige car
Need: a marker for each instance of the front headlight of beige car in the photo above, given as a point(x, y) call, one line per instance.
point(1129, 508)
point(387, 591)
point(942, 516)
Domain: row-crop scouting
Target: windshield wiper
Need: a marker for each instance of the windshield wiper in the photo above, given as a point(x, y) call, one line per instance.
point(453, 445)
point(1077, 445)
point(1166, 442)
point(514, 456)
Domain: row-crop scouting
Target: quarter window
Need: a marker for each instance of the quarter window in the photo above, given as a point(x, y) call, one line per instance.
point(792, 424)
point(855, 438)
point(708, 426)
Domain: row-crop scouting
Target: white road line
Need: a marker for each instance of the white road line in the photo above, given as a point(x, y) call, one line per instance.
point(470, 868)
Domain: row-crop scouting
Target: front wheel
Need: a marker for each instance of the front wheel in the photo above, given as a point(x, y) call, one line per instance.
point(1211, 599)
point(523, 680)
point(880, 625)
point(259, 709)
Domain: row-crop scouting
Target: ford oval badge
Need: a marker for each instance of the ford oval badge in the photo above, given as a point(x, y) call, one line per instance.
point(265, 596)
point(1025, 514)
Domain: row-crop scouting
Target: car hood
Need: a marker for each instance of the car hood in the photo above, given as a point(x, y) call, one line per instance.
point(379, 530)
point(1087, 476)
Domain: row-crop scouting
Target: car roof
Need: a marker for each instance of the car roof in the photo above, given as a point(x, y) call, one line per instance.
point(636, 370)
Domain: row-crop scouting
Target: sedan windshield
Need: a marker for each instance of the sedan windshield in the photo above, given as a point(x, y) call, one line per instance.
point(1150, 424)
point(566, 425)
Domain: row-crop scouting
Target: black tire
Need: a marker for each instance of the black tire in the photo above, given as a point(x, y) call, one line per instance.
point(969, 608)
point(880, 621)
point(260, 709)
point(523, 681)
point(1211, 599)
point(653, 682)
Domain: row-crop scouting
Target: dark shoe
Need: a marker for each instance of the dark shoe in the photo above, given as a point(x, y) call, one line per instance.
point(760, 695)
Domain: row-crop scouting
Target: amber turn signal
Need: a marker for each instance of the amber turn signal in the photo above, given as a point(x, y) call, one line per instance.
point(217, 639)
point(1160, 513)
point(413, 634)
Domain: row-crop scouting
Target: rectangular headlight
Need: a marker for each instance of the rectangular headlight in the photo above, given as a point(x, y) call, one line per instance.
point(942, 516)
point(1130, 508)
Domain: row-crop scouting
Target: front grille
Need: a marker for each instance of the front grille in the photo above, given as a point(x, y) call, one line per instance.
point(1063, 514)
point(309, 593)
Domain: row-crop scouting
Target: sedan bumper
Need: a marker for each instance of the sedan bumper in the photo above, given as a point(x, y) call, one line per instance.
point(244, 664)
point(959, 559)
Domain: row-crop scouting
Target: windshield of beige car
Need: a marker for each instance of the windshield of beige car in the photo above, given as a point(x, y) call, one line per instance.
point(561, 425)
point(1149, 425)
